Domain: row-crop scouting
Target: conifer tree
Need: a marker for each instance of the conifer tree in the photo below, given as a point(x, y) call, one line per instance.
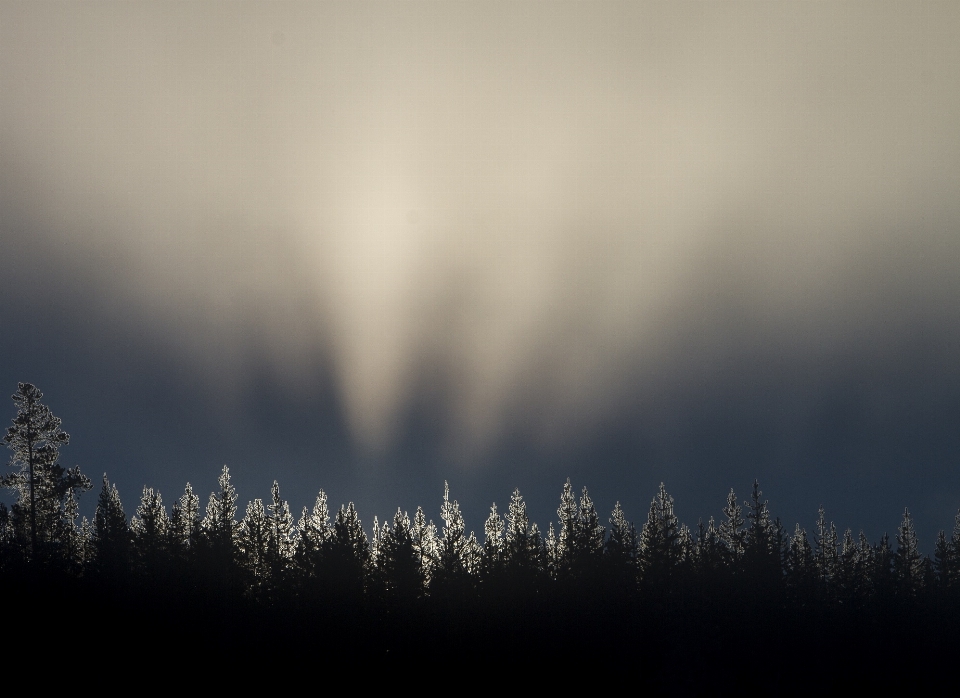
point(350, 556)
point(907, 561)
point(111, 534)
point(825, 556)
point(281, 542)
point(563, 549)
point(801, 572)
point(151, 536)
point(40, 483)
point(588, 535)
point(313, 542)
point(220, 528)
point(185, 526)
point(761, 549)
point(659, 544)
point(493, 544)
point(399, 561)
point(450, 575)
point(731, 533)
point(425, 542)
point(621, 552)
point(253, 542)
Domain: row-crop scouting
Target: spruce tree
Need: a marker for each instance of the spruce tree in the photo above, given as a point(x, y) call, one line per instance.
point(151, 536)
point(39, 482)
point(451, 576)
point(111, 535)
point(253, 544)
point(731, 533)
point(907, 561)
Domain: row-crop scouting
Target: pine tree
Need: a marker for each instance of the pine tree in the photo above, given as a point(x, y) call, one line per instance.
point(350, 556)
point(451, 575)
point(907, 561)
point(253, 544)
point(219, 530)
point(281, 542)
point(111, 534)
point(493, 544)
point(825, 556)
point(151, 536)
point(399, 562)
point(801, 572)
point(621, 553)
point(659, 544)
point(425, 542)
point(761, 552)
point(563, 549)
point(40, 483)
point(185, 526)
point(313, 542)
point(732, 534)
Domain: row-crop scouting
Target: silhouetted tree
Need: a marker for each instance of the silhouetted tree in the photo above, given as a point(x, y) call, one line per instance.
point(731, 533)
point(621, 550)
point(111, 534)
point(761, 557)
point(659, 546)
point(349, 557)
point(451, 575)
point(907, 561)
point(40, 483)
point(151, 537)
point(253, 547)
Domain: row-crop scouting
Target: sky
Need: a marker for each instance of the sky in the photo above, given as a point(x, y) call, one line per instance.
point(369, 247)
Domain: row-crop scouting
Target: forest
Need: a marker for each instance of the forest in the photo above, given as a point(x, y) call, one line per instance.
point(679, 605)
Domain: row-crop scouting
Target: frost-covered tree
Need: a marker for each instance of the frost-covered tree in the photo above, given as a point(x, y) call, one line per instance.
point(826, 555)
point(281, 542)
point(563, 549)
point(451, 574)
point(349, 557)
point(493, 543)
point(801, 571)
point(731, 532)
point(761, 557)
point(39, 482)
point(399, 562)
point(659, 552)
point(588, 535)
point(111, 533)
point(253, 541)
point(151, 536)
point(621, 552)
point(313, 540)
point(907, 561)
point(425, 542)
point(220, 528)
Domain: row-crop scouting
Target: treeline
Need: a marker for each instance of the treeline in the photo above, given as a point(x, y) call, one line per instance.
point(584, 571)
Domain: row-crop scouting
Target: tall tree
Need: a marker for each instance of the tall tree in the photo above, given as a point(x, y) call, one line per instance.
point(111, 534)
point(732, 534)
point(907, 560)
point(451, 575)
point(151, 536)
point(659, 544)
point(40, 483)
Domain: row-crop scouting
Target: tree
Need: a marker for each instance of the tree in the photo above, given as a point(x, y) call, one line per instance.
point(621, 553)
point(220, 528)
point(111, 534)
point(252, 543)
point(40, 483)
point(659, 544)
point(151, 537)
point(731, 532)
point(907, 561)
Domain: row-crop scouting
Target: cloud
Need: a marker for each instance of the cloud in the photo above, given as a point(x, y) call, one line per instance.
point(533, 211)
